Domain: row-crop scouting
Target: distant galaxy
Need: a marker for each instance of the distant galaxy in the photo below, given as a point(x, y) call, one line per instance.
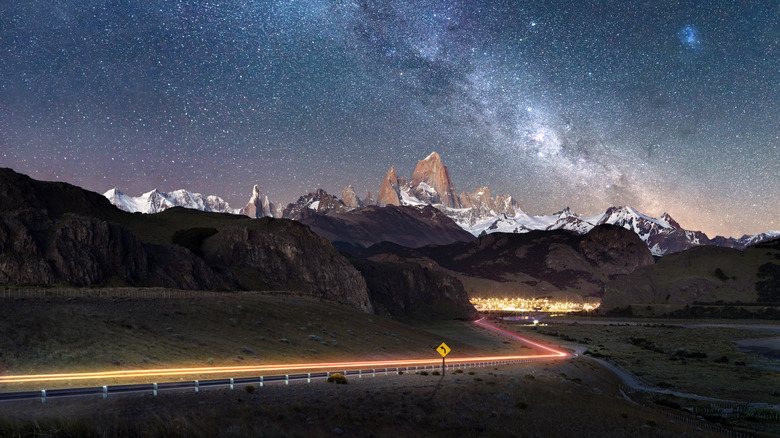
point(663, 106)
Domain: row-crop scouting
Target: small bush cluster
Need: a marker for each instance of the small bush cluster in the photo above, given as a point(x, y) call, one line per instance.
point(337, 378)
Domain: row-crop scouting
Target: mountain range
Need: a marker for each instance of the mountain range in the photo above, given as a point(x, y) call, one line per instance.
point(478, 212)
point(56, 233)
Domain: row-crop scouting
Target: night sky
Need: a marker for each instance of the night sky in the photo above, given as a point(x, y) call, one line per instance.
point(661, 105)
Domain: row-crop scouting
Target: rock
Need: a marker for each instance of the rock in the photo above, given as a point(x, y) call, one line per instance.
point(389, 190)
point(350, 198)
point(285, 255)
point(317, 202)
point(259, 206)
point(431, 182)
point(79, 250)
point(482, 205)
point(407, 226)
point(369, 199)
point(406, 290)
point(176, 267)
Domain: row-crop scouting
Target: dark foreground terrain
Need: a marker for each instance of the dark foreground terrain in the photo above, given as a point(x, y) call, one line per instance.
point(572, 398)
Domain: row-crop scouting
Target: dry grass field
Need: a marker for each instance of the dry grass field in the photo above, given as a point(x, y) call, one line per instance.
point(91, 330)
point(695, 357)
point(677, 355)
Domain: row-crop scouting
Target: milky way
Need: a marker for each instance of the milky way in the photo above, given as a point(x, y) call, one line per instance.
point(663, 106)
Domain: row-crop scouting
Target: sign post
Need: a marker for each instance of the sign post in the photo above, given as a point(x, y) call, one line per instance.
point(444, 350)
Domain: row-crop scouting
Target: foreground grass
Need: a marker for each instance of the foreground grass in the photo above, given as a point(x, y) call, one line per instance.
point(565, 398)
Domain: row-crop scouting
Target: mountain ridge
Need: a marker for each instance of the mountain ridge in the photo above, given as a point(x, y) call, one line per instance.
point(478, 212)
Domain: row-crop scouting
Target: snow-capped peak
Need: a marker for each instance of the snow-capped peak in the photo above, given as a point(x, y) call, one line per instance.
point(156, 201)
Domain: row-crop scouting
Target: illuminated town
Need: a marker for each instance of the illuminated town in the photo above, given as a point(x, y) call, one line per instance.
point(568, 304)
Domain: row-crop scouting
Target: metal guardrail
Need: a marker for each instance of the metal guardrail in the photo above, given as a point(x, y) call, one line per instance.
point(197, 385)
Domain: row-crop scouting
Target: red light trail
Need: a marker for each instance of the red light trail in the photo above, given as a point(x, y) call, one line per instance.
point(285, 367)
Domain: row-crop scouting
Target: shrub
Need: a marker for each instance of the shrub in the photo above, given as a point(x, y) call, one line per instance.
point(423, 373)
point(477, 379)
point(668, 404)
point(521, 405)
point(436, 373)
point(472, 372)
point(530, 376)
point(458, 371)
point(722, 359)
point(193, 238)
point(337, 378)
point(249, 389)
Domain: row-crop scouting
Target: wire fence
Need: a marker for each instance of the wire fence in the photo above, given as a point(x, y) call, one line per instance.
point(728, 410)
point(125, 293)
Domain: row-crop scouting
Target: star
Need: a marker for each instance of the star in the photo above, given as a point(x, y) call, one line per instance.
point(554, 103)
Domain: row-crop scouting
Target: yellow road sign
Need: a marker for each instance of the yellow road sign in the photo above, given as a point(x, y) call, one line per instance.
point(443, 349)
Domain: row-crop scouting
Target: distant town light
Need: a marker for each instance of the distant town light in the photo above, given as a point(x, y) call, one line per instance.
point(571, 303)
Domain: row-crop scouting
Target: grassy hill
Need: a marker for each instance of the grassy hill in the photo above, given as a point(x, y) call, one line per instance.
point(705, 274)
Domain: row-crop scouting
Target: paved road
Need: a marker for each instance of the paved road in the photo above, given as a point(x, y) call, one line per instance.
point(359, 369)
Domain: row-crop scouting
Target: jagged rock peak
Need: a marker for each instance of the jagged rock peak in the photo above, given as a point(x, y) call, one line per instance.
point(482, 205)
point(259, 205)
point(318, 201)
point(566, 212)
point(431, 182)
point(389, 191)
point(350, 198)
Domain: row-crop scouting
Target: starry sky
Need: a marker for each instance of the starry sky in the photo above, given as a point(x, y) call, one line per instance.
point(661, 105)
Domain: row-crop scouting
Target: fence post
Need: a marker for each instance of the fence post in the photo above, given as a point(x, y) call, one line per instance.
point(232, 383)
point(308, 378)
point(43, 396)
point(286, 379)
point(105, 392)
point(155, 389)
point(197, 386)
point(360, 374)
